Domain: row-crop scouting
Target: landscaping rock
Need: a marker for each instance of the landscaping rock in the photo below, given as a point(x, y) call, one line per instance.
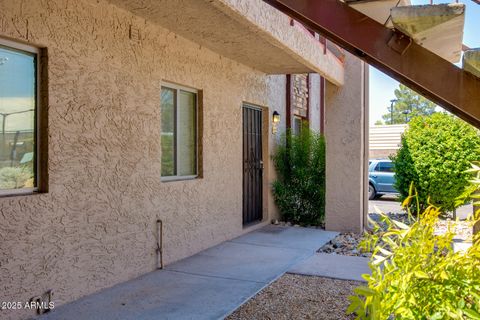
point(345, 244)
point(299, 297)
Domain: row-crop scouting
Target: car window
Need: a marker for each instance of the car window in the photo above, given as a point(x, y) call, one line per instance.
point(384, 167)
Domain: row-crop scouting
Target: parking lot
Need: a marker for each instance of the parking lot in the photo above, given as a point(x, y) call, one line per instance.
point(389, 203)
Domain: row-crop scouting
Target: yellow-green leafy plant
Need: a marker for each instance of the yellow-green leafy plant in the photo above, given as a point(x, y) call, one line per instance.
point(416, 274)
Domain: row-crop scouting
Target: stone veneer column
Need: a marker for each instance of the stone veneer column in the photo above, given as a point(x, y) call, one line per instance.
point(346, 132)
point(300, 95)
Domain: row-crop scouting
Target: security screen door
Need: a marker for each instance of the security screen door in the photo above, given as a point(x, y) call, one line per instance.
point(252, 165)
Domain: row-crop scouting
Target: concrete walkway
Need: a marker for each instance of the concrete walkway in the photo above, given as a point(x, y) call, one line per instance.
point(208, 285)
point(333, 266)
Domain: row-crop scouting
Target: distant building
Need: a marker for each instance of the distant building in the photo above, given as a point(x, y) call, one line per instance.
point(385, 140)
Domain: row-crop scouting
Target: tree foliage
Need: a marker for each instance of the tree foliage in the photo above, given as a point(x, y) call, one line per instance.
point(299, 191)
point(409, 104)
point(416, 274)
point(436, 151)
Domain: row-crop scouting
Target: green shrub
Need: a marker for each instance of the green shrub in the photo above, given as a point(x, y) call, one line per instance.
point(436, 150)
point(417, 275)
point(299, 191)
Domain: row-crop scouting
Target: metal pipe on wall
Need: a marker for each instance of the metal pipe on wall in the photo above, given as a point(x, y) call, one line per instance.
point(159, 249)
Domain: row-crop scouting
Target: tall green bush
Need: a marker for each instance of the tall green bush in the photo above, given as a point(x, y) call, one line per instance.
point(299, 191)
point(436, 151)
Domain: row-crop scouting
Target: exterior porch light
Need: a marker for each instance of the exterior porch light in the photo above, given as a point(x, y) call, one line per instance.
point(275, 121)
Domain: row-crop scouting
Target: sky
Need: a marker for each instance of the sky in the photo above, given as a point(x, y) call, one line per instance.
point(17, 89)
point(382, 86)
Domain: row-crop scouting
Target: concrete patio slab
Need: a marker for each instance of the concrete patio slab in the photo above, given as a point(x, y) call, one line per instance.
point(333, 266)
point(208, 285)
point(241, 261)
point(461, 246)
point(287, 237)
point(161, 295)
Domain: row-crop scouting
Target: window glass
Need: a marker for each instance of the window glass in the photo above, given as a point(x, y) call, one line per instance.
point(384, 167)
point(168, 131)
point(17, 119)
point(186, 153)
point(297, 125)
point(179, 130)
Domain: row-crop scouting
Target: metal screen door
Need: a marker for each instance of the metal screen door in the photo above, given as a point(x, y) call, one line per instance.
point(252, 165)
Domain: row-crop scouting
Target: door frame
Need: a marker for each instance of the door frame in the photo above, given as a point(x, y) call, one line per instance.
point(265, 158)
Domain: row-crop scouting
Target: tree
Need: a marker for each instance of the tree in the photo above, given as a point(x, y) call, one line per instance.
point(379, 123)
point(408, 104)
point(436, 151)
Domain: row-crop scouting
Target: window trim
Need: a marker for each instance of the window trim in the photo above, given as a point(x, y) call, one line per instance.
point(176, 87)
point(38, 176)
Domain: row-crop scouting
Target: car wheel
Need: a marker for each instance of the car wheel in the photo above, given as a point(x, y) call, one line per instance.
point(371, 192)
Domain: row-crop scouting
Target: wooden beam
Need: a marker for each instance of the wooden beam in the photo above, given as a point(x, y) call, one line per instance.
point(391, 52)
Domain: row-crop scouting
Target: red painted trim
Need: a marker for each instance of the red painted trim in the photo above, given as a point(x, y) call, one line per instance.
point(308, 97)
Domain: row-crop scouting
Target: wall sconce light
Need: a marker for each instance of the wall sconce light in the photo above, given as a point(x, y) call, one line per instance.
point(275, 121)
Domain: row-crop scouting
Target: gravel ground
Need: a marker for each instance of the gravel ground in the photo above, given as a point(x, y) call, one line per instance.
point(347, 243)
point(299, 297)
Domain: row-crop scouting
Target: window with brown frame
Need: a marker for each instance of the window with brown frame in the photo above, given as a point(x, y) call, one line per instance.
point(19, 116)
point(179, 132)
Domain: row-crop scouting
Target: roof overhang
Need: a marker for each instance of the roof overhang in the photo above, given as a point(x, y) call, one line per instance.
point(248, 31)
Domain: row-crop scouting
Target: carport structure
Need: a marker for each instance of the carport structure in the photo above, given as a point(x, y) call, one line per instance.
point(416, 45)
point(407, 52)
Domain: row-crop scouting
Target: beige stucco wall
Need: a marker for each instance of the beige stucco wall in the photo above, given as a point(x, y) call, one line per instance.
point(96, 225)
point(346, 132)
point(314, 97)
point(277, 100)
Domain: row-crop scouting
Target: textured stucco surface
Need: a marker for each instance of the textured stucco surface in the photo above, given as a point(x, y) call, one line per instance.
point(277, 100)
point(346, 133)
point(314, 102)
point(249, 31)
point(96, 225)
